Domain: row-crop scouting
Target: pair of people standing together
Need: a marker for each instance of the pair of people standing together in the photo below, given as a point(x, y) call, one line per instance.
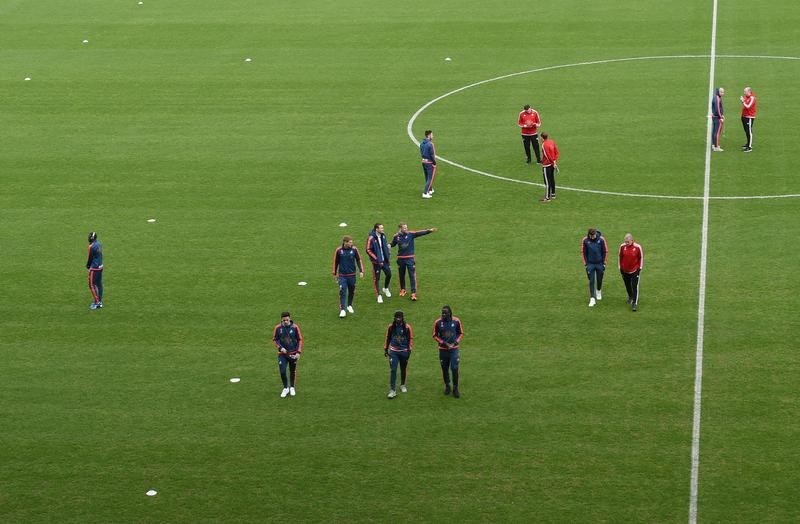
point(529, 123)
point(748, 101)
point(594, 253)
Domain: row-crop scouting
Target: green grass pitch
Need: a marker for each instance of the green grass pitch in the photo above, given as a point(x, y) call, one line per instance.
point(568, 414)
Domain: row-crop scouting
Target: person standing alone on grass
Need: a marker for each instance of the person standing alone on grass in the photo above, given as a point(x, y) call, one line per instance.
point(595, 255)
point(549, 167)
point(95, 266)
point(748, 101)
point(631, 262)
point(289, 341)
point(404, 240)
point(717, 118)
point(447, 333)
point(529, 123)
point(378, 253)
point(397, 348)
point(346, 260)
point(428, 152)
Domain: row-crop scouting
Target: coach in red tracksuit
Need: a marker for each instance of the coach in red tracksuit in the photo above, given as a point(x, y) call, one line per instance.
point(529, 123)
point(631, 261)
point(549, 166)
point(748, 117)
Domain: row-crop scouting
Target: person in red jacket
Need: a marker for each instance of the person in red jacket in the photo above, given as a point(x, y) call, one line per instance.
point(748, 117)
point(549, 167)
point(529, 123)
point(631, 261)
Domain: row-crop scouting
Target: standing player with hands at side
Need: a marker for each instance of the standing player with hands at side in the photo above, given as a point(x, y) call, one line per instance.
point(346, 260)
point(289, 342)
point(594, 252)
point(631, 261)
point(447, 333)
point(95, 266)
point(397, 348)
point(428, 152)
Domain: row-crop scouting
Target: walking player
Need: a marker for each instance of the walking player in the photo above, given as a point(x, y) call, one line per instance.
point(631, 261)
point(447, 333)
point(346, 260)
point(378, 253)
point(95, 266)
point(397, 348)
point(595, 255)
point(549, 167)
point(289, 341)
point(404, 239)
point(529, 123)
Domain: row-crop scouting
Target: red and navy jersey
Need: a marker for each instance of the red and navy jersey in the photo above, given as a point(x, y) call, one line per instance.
point(399, 337)
point(716, 105)
point(377, 248)
point(448, 333)
point(288, 338)
point(529, 122)
point(347, 261)
point(594, 251)
point(428, 151)
point(631, 257)
point(405, 242)
point(749, 106)
point(95, 260)
point(549, 153)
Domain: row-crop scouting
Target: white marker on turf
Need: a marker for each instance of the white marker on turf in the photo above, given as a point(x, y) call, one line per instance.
point(151, 493)
point(248, 59)
point(151, 220)
point(343, 224)
point(27, 78)
point(448, 59)
point(234, 380)
point(85, 41)
point(302, 283)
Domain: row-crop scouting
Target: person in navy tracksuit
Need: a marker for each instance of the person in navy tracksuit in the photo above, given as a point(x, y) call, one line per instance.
point(594, 252)
point(397, 348)
point(95, 266)
point(717, 118)
point(289, 341)
point(447, 332)
point(378, 252)
point(428, 153)
point(346, 260)
point(404, 239)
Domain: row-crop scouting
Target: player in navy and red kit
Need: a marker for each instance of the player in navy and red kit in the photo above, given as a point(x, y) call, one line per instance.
point(95, 266)
point(447, 332)
point(289, 341)
point(397, 348)
point(529, 123)
point(346, 260)
point(748, 117)
point(378, 253)
point(549, 166)
point(594, 252)
point(631, 262)
point(428, 153)
point(404, 239)
point(717, 118)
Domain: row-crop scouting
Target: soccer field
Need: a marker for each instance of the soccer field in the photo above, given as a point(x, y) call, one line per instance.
point(116, 113)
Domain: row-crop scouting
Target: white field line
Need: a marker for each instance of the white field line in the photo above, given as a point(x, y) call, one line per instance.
point(410, 132)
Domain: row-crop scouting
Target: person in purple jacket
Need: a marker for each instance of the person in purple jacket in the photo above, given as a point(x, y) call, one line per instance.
point(397, 348)
point(95, 266)
point(346, 261)
point(428, 153)
point(717, 118)
point(378, 252)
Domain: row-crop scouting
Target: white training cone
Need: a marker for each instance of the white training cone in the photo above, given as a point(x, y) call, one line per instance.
point(302, 283)
point(151, 493)
point(151, 220)
point(235, 380)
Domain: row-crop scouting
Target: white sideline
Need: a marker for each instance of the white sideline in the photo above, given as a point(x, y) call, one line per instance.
point(701, 301)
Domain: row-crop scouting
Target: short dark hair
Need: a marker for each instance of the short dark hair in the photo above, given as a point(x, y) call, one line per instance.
point(591, 232)
point(545, 136)
point(286, 314)
point(346, 238)
point(527, 106)
point(377, 224)
point(428, 133)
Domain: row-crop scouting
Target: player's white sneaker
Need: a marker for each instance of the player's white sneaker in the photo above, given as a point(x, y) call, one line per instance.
point(380, 299)
point(387, 292)
point(403, 388)
point(342, 314)
point(591, 302)
point(284, 392)
point(350, 309)
point(427, 195)
point(292, 392)
point(599, 295)
point(432, 191)
point(392, 393)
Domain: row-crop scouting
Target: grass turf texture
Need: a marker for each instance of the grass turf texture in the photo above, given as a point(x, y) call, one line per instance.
point(568, 414)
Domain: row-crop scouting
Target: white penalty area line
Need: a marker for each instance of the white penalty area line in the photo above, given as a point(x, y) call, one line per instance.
point(413, 119)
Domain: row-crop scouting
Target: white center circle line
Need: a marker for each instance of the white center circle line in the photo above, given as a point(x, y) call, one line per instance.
point(410, 125)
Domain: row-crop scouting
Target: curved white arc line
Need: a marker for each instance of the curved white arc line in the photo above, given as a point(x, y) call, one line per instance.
point(410, 125)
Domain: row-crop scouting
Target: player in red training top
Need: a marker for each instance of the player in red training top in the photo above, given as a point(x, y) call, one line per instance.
point(529, 122)
point(631, 261)
point(549, 166)
point(748, 101)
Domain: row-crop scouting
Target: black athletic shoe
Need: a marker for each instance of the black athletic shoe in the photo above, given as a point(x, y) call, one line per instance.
point(634, 307)
point(447, 389)
point(528, 161)
point(456, 393)
point(747, 149)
